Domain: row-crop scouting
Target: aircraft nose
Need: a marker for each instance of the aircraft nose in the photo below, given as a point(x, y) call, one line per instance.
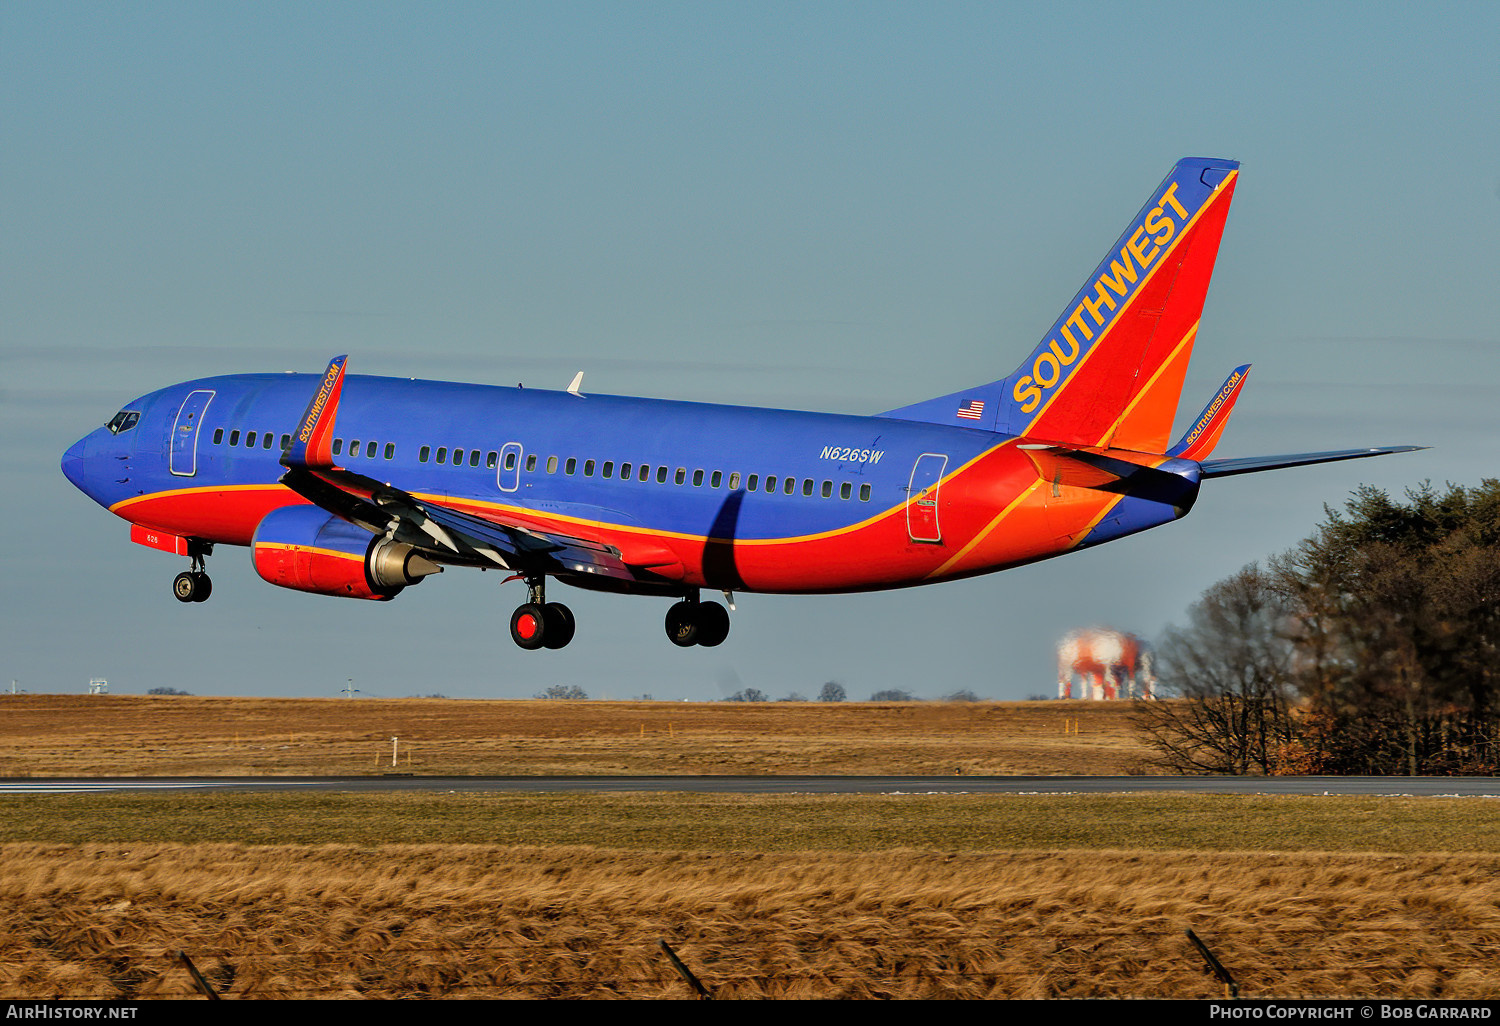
point(74, 463)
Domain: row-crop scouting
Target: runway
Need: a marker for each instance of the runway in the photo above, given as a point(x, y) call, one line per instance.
point(1465, 787)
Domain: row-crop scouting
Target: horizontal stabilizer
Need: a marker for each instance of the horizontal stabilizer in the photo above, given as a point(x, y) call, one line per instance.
point(1118, 471)
point(1255, 464)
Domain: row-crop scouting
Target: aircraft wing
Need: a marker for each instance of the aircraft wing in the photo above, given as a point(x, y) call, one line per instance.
point(384, 509)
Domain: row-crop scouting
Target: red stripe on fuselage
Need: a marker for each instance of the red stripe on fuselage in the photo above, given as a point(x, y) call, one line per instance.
point(875, 553)
point(226, 515)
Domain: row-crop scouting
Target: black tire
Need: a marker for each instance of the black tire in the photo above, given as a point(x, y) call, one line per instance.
point(713, 624)
point(185, 586)
point(205, 588)
point(528, 626)
point(682, 624)
point(560, 624)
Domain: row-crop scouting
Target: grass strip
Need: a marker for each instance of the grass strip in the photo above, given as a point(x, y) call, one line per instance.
point(777, 823)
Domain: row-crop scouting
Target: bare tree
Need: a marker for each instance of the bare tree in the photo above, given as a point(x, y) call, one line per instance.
point(1233, 667)
point(1384, 623)
point(832, 691)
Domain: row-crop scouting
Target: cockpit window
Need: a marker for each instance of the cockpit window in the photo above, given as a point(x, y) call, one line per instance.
point(124, 421)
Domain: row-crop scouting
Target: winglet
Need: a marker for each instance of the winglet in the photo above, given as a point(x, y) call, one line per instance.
point(576, 387)
point(1201, 438)
point(312, 445)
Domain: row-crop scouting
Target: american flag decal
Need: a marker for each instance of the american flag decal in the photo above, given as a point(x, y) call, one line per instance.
point(973, 411)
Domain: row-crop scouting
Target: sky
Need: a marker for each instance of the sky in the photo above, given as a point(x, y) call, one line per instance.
point(824, 206)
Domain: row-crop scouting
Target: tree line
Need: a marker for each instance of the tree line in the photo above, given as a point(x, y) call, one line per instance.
point(1370, 648)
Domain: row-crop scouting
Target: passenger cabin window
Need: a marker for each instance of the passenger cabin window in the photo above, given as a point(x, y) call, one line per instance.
point(571, 465)
point(286, 443)
point(338, 446)
point(551, 464)
point(458, 457)
point(864, 493)
point(266, 440)
point(474, 459)
point(424, 453)
point(681, 475)
point(771, 483)
point(697, 479)
point(370, 448)
point(588, 468)
point(530, 462)
point(234, 438)
point(790, 486)
point(625, 471)
point(442, 455)
point(491, 459)
point(390, 450)
point(608, 470)
point(353, 447)
point(717, 479)
point(218, 436)
point(845, 490)
point(751, 482)
point(250, 440)
point(827, 490)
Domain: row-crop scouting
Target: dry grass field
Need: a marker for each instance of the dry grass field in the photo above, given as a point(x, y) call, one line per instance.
point(103, 921)
point(117, 735)
point(789, 896)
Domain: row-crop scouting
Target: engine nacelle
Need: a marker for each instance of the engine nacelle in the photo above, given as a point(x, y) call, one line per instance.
point(305, 549)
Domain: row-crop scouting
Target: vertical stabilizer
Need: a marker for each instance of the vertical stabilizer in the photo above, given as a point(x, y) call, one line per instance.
point(1110, 370)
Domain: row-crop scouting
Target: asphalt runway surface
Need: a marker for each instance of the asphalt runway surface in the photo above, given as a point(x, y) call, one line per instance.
point(1477, 787)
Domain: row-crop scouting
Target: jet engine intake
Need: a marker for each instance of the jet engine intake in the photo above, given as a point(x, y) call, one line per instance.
point(305, 549)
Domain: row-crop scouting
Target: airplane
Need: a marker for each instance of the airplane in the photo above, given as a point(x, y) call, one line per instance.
point(360, 486)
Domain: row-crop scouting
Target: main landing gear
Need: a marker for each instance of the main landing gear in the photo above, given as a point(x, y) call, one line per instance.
point(691, 622)
point(194, 585)
point(539, 623)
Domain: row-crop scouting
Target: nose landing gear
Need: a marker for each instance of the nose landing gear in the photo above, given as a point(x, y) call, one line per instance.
point(194, 585)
